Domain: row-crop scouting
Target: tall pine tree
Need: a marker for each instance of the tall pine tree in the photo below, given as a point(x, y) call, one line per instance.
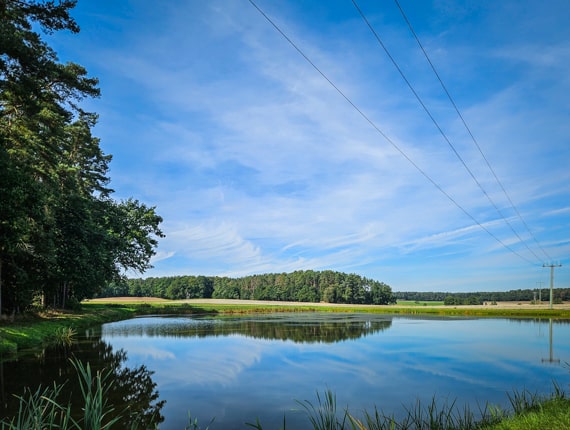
point(62, 236)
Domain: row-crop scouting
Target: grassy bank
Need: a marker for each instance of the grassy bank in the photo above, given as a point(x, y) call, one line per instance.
point(34, 330)
point(43, 408)
point(37, 329)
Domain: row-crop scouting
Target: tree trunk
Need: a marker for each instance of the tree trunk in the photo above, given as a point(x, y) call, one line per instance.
point(64, 293)
point(0, 287)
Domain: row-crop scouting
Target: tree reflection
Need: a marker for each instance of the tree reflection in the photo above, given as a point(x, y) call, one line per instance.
point(136, 389)
point(133, 393)
point(306, 329)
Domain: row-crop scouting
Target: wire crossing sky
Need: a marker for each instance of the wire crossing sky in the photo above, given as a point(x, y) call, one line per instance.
point(258, 164)
point(477, 145)
point(448, 141)
point(406, 156)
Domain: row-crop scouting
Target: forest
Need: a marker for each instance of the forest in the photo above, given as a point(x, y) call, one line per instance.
point(309, 286)
point(477, 298)
point(62, 235)
point(300, 286)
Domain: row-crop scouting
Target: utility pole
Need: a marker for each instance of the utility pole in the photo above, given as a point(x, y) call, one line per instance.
point(540, 291)
point(552, 266)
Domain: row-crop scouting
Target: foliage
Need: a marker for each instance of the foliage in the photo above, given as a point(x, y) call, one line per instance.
point(65, 336)
point(62, 237)
point(476, 298)
point(536, 412)
point(41, 409)
point(84, 397)
point(35, 330)
point(299, 286)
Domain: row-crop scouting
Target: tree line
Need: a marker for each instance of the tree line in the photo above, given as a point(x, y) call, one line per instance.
point(299, 286)
point(62, 235)
point(477, 298)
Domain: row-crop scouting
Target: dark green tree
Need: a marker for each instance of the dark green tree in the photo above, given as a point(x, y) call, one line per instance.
point(61, 234)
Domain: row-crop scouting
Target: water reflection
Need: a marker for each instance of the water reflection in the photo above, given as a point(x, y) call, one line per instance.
point(133, 392)
point(304, 328)
point(550, 358)
point(238, 368)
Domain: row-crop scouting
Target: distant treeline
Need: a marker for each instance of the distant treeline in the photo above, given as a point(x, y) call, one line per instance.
point(559, 295)
point(300, 286)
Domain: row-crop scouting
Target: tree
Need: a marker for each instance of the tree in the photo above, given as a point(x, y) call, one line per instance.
point(381, 294)
point(61, 234)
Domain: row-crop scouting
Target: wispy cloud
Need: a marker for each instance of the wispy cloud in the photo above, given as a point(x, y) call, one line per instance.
point(258, 164)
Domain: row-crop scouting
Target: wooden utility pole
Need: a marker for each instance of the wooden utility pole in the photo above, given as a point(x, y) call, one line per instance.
point(552, 266)
point(539, 291)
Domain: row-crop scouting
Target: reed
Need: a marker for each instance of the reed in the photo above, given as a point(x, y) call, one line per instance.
point(41, 409)
point(64, 336)
point(38, 410)
point(527, 407)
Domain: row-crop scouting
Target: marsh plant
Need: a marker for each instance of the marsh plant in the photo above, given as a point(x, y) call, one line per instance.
point(65, 336)
point(40, 409)
point(435, 415)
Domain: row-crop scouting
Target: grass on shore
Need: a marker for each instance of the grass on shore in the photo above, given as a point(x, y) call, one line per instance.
point(34, 330)
point(43, 409)
point(41, 328)
point(419, 303)
point(550, 414)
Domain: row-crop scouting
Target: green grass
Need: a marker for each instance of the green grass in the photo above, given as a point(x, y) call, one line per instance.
point(550, 414)
point(529, 411)
point(419, 303)
point(43, 409)
point(38, 329)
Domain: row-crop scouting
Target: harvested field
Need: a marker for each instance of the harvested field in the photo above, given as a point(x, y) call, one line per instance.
point(499, 305)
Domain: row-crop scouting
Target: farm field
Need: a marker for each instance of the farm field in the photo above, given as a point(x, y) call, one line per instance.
point(401, 303)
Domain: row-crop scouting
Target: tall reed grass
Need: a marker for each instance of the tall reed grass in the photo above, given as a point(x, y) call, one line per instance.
point(41, 410)
point(65, 336)
point(324, 414)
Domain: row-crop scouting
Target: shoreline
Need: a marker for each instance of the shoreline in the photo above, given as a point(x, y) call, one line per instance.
point(40, 329)
point(526, 305)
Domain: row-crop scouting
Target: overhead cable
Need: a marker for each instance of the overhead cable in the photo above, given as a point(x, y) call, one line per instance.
point(386, 137)
point(468, 129)
point(432, 118)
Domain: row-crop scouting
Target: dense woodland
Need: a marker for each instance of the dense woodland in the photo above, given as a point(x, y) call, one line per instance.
point(308, 286)
point(476, 298)
point(300, 286)
point(62, 236)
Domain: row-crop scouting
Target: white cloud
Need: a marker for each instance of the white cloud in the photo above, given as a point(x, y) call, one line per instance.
point(257, 164)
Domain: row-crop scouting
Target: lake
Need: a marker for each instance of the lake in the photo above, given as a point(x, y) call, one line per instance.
point(238, 369)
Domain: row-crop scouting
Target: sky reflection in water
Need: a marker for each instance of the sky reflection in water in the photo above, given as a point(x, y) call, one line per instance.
point(241, 368)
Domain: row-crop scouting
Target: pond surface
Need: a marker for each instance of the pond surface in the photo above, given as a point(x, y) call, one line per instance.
point(242, 368)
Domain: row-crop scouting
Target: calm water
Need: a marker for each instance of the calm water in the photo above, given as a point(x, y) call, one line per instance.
point(240, 369)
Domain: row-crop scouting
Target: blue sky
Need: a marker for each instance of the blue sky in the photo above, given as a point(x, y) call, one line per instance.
point(257, 164)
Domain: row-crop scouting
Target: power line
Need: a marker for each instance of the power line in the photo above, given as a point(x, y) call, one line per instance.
point(386, 137)
point(469, 130)
point(432, 118)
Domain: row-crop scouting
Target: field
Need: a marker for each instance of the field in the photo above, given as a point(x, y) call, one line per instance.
point(501, 309)
point(401, 303)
